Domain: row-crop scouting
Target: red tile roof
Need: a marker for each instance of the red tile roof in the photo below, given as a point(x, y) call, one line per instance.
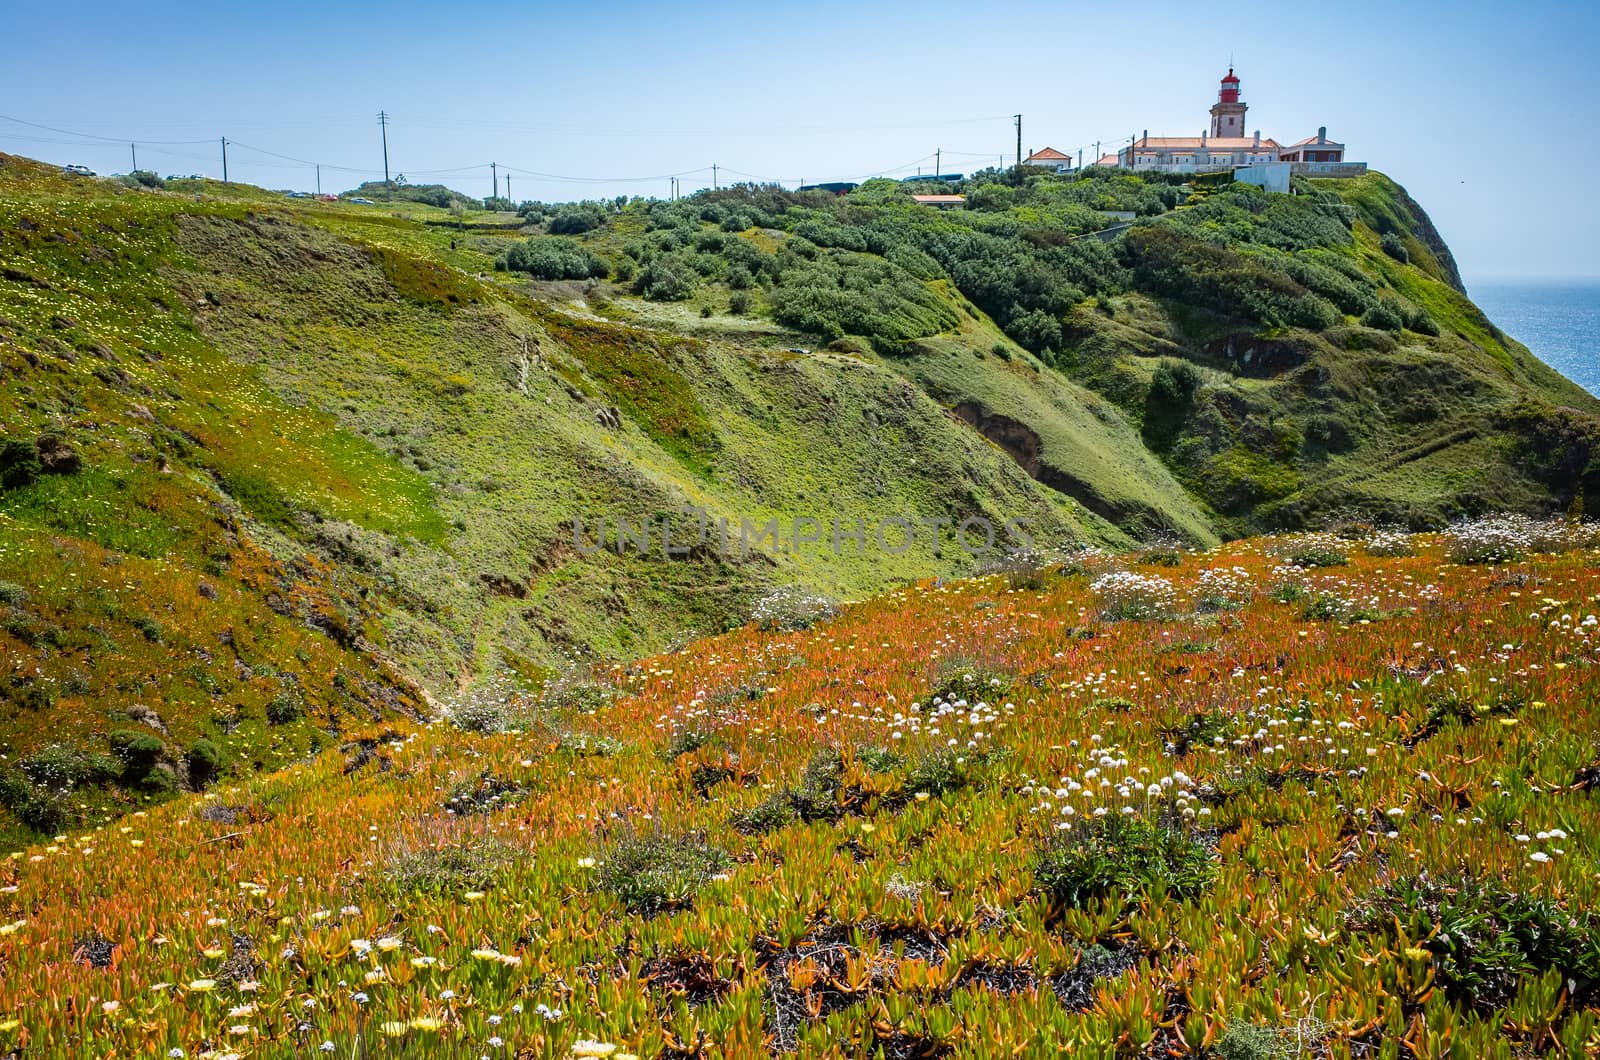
point(1049, 154)
point(939, 200)
point(1312, 140)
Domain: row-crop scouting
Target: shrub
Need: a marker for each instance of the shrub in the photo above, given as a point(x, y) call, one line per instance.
point(964, 678)
point(484, 793)
point(1200, 729)
point(555, 259)
point(856, 294)
point(1129, 597)
point(1169, 401)
point(655, 871)
point(1318, 554)
point(1482, 939)
point(739, 303)
point(476, 863)
point(1504, 538)
point(947, 769)
point(791, 607)
point(62, 766)
point(205, 762)
point(1126, 855)
point(686, 742)
point(577, 218)
point(1223, 589)
point(34, 806)
point(284, 709)
point(814, 797)
point(1386, 315)
point(138, 752)
point(19, 463)
point(1395, 247)
point(1251, 1041)
point(667, 279)
point(12, 594)
point(1389, 543)
point(494, 705)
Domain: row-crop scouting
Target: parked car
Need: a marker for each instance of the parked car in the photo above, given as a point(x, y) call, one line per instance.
point(299, 195)
point(79, 171)
point(364, 202)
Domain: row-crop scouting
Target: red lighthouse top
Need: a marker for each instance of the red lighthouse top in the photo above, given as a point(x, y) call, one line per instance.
point(1230, 88)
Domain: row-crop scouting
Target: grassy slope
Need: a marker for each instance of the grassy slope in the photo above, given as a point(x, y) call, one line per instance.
point(319, 414)
point(1331, 765)
point(341, 419)
point(1425, 421)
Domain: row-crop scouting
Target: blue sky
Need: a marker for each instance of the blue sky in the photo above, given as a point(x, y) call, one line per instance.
point(1487, 112)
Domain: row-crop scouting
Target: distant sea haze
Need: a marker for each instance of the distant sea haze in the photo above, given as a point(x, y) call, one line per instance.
point(1559, 320)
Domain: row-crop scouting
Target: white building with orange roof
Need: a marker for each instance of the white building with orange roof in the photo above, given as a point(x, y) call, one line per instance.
point(1226, 145)
point(1048, 158)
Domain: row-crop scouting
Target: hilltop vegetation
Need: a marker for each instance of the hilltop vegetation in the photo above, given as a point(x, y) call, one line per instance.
point(274, 470)
point(1322, 795)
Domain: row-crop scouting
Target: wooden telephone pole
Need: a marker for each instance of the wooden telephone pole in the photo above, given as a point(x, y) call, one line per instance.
point(1019, 148)
point(383, 126)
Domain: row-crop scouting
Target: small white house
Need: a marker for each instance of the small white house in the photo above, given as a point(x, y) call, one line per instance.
point(1273, 176)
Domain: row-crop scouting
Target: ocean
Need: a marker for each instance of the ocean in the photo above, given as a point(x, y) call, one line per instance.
point(1558, 320)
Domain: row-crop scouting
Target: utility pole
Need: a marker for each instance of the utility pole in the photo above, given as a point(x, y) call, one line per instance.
point(1080, 158)
point(224, 160)
point(319, 178)
point(508, 189)
point(938, 152)
point(133, 149)
point(494, 178)
point(1097, 152)
point(383, 124)
point(1019, 148)
point(713, 176)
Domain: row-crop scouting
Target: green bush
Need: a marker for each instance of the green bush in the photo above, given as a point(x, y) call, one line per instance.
point(667, 278)
point(858, 294)
point(36, 807)
point(205, 762)
point(656, 871)
point(1386, 315)
point(283, 709)
point(19, 463)
point(555, 259)
point(739, 303)
point(1169, 401)
point(1483, 939)
point(1395, 247)
point(12, 594)
point(62, 766)
point(1118, 854)
point(137, 751)
point(476, 863)
point(577, 217)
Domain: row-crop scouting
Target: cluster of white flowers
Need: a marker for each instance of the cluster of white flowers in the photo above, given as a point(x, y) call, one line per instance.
point(1109, 783)
point(791, 607)
point(956, 719)
point(1223, 588)
point(1505, 538)
point(1131, 596)
point(493, 705)
point(1389, 543)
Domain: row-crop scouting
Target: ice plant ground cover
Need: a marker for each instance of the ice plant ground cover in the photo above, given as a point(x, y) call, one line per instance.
point(981, 818)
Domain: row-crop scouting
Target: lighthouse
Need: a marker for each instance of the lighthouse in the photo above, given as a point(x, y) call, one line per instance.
point(1227, 113)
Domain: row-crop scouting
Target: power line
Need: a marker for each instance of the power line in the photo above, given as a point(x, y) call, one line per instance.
point(93, 136)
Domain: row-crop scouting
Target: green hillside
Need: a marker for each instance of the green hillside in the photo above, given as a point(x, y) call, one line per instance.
point(278, 470)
